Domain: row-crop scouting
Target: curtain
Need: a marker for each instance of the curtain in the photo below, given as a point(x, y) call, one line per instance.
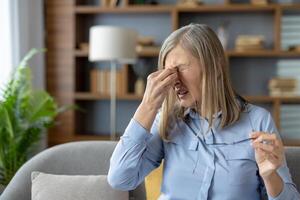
point(22, 28)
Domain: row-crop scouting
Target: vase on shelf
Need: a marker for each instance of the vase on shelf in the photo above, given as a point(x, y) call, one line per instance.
point(142, 69)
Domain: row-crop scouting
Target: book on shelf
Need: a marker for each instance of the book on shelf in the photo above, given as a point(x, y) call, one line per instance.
point(249, 42)
point(100, 82)
point(147, 49)
point(259, 2)
point(282, 83)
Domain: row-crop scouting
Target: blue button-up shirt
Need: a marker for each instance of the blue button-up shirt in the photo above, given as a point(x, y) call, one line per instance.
point(199, 163)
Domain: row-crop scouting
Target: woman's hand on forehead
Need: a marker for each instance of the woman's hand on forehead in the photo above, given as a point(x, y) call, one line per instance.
point(179, 67)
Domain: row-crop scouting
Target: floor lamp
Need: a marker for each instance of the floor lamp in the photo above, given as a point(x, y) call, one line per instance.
point(116, 45)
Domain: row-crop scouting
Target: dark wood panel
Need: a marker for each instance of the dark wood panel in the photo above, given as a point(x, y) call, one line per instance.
point(60, 62)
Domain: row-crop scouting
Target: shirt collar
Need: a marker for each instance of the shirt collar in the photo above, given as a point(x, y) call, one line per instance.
point(189, 112)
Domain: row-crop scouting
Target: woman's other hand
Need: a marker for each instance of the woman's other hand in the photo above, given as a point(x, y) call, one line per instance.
point(269, 152)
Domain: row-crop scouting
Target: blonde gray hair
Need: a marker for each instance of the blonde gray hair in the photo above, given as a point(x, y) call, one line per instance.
point(216, 91)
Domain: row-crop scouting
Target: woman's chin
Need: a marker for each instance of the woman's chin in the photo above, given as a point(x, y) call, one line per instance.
point(187, 103)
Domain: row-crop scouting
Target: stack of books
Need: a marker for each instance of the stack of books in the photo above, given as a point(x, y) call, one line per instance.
point(259, 2)
point(289, 69)
point(189, 3)
point(249, 43)
point(289, 122)
point(146, 45)
point(290, 33)
point(100, 82)
point(282, 87)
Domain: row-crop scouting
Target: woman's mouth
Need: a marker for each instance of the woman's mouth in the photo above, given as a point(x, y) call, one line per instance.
point(181, 91)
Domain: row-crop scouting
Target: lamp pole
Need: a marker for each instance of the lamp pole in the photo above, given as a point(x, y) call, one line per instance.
point(113, 100)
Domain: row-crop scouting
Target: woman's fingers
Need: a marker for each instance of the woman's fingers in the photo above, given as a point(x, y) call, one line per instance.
point(262, 137)
point(157, 85)
point(168, 81)
point(165, 73)
point(269, 148)
point(269, 144)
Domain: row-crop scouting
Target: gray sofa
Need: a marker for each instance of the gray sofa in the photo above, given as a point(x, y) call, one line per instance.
point(75, 158)
point(91, 158)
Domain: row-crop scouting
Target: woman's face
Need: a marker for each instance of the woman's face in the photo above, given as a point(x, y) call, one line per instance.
point(187, 87)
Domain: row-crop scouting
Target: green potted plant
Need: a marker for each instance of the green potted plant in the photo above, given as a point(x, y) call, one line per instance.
point(25, 114)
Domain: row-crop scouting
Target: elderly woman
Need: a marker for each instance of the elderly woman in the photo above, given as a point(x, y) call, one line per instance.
point(214, 144)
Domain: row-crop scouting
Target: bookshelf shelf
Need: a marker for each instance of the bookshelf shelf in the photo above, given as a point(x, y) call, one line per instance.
point(227, 8)
point(68, 73)
point(262, 53)
point(91, 96)
point(126, 9)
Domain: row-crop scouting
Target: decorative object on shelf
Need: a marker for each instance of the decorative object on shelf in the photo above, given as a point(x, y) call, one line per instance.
point(84, 46)
point(259, 2)
point(222, 33)
point(282, 86)
point(110, 3)
point(25, 114)
point(290, 32)
point(189, 3)
point(146, 45)
point(289, 69)
point(249, 42)
point(295, 48)
point(145, 40)
point(142, 69)
point(116, 45)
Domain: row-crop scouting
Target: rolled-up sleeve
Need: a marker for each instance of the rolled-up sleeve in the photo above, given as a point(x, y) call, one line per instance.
point(289, 191)
point(137, 153)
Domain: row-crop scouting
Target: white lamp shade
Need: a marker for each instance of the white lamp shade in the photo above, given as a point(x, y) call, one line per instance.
point(109, 43)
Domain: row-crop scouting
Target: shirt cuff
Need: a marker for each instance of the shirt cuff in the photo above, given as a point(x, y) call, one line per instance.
point(136, 132)
point(283, 194)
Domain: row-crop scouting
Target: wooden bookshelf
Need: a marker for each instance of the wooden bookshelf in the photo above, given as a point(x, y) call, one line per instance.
point(66, 25)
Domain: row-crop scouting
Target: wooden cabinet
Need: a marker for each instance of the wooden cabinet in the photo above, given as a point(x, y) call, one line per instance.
point(68, 68)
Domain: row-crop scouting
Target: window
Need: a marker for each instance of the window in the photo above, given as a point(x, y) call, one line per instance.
point(8, 40)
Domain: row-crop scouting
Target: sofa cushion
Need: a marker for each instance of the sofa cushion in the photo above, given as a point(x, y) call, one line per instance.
point(73, 187)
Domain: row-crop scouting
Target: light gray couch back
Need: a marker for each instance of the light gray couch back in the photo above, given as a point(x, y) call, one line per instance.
point(75, 158)
point(92, 158)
